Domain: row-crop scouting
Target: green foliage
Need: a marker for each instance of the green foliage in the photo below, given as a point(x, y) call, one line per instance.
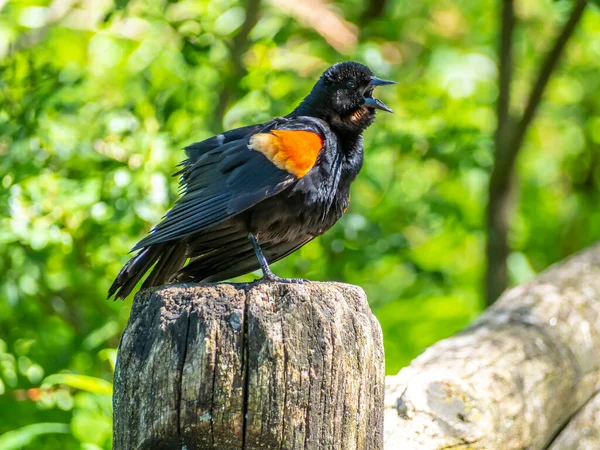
point(81, 382)
point(21, 438)
point(98, 98)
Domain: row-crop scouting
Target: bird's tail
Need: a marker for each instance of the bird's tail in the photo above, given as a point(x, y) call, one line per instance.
point(168, 259)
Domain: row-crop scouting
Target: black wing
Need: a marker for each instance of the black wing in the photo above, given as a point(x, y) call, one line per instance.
point(222, 177)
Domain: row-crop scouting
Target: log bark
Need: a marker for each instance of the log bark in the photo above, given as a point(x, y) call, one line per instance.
point(583, 430)
point(515, 378)
point(269, 366)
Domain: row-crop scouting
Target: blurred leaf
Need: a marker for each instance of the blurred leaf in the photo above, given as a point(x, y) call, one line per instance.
point(22, 437)
point(83, 382)
point(109, 354)
point(101, 335)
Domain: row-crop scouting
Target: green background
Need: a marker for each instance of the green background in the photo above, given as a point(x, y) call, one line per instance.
point(98, 98)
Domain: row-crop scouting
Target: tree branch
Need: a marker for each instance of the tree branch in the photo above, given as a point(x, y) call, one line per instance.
point(237, 70)
point(505, 70)
point(548, 67)
point(374, 10)
point(509, 140)
point(318, 15)
point(497, 248)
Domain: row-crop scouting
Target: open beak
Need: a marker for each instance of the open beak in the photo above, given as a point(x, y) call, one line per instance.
point(368, 94)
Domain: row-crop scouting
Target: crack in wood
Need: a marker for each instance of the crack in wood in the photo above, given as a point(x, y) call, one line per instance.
point(214, 384)
point(245, 350)
point(178, 401)
point(285, 386)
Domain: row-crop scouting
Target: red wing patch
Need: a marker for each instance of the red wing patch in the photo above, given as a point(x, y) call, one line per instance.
point(295, 151)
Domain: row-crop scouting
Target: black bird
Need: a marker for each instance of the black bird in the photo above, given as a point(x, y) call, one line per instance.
point(255, 194)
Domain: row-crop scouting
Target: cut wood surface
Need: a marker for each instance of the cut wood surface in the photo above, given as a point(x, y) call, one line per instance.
point(522, 376)
point(269, 366)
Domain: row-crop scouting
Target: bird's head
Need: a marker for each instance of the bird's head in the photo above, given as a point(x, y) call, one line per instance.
point(343, 96)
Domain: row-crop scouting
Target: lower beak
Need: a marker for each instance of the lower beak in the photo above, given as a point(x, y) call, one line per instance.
point(376, 103)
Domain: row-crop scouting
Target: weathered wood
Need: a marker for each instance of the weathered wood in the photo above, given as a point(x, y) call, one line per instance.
point(515, 377)
point(270, 366)
point(583, 430)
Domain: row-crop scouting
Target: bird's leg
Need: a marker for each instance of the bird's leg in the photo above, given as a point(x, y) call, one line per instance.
point(264, 265)
point(268, 275)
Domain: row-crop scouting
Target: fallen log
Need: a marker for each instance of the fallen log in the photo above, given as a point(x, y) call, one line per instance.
point(517, 378)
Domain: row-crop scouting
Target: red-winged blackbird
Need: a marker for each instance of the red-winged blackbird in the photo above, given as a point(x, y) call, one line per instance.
point(260, 192)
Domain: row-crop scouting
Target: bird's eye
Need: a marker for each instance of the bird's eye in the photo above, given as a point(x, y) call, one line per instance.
point(351, 84)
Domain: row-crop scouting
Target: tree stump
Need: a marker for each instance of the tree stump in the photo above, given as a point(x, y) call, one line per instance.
point(269, 366)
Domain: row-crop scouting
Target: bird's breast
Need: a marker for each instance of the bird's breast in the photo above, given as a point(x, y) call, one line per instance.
point(310, 206)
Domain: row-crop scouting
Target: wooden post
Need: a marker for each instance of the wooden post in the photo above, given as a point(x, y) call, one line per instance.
point(269, 366)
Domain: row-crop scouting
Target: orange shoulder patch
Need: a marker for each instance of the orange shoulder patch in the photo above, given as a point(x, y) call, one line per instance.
point(295, 151)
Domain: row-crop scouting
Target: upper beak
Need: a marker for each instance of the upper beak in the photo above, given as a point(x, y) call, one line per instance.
point(373, 102)
point(379, 82)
